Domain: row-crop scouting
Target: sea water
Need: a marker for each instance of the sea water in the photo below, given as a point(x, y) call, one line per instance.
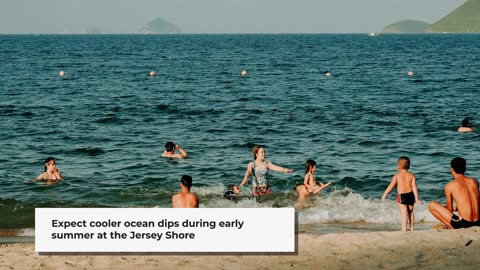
point(106, 121)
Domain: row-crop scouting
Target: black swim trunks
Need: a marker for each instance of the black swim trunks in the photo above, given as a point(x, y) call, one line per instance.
point(458, 222)
point(406, 198)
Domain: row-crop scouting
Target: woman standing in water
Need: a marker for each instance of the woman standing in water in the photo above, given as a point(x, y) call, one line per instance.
point(259, 168)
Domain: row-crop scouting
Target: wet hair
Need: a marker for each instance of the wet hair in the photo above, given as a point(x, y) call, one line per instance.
point(255, 150)
point(169, 146)
point(404, 162)
point(459, 165)
point(309, 165)
point(186, 180)
point(466, 123)
point(47, 160)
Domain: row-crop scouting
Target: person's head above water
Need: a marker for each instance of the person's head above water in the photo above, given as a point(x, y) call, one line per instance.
point(466, 126)
point(49, 160)
point(466, 123)
point(170, 147)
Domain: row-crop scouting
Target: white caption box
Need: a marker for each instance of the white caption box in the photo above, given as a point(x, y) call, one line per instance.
point(147, 230)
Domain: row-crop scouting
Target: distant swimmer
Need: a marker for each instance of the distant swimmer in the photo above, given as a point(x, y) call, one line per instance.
point(244, 73)
point(170, 148)
point(185, 198)
point(464, 190)
point(407, 192)
point(61, 73)
point(258, 169)
point(410, 73)
point(466, 126)
point(152, 73)
point(328, 73)
point(309, 181)
point(51, 172)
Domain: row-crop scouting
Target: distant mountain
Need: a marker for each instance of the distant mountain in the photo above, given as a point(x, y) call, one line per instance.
point(159, 26)
point(465, 18)
point(408, 26)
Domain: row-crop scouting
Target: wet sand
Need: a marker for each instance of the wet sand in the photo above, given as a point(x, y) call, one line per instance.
point(423, 249)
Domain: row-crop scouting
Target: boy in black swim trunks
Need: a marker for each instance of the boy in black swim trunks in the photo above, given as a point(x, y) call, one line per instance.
point(407, 192)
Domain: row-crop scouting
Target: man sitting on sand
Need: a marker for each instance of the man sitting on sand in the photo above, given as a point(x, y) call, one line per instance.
point(464, 190)
point(185, 199)
point(170, 151)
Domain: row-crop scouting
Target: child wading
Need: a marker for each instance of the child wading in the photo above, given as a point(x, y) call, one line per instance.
point(407, 193)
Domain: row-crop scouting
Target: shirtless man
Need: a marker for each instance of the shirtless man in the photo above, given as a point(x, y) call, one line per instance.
point(185, 199)
point(170, 151)
point(464, 190)
point(51, 172)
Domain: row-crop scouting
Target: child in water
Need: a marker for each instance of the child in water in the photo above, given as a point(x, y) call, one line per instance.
point(231, 193)
point(313, 187)
point(407, 193)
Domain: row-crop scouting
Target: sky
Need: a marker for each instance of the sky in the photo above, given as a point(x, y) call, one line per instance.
point(216, 16)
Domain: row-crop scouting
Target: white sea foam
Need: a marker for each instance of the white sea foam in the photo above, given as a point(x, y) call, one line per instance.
point(352, 207)
point(339, 206)
point(26, 232)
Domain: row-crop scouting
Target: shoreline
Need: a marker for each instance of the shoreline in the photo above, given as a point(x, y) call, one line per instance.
point(27, 235)
point(422, 249)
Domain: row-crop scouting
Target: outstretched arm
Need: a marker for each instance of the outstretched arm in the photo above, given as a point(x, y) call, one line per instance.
point(277, 168)
point(390, 187)
point(323, 186)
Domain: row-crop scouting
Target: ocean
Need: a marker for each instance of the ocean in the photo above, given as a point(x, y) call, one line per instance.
point(106, 121)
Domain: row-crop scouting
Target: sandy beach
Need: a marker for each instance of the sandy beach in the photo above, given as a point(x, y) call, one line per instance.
point(429, 249)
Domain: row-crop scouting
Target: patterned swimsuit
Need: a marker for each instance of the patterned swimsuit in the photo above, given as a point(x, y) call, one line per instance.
point(260, 180)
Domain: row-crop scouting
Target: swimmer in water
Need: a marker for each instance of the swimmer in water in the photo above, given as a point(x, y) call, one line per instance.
point(170, 148)
point(466, 126)
point(51, 172)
